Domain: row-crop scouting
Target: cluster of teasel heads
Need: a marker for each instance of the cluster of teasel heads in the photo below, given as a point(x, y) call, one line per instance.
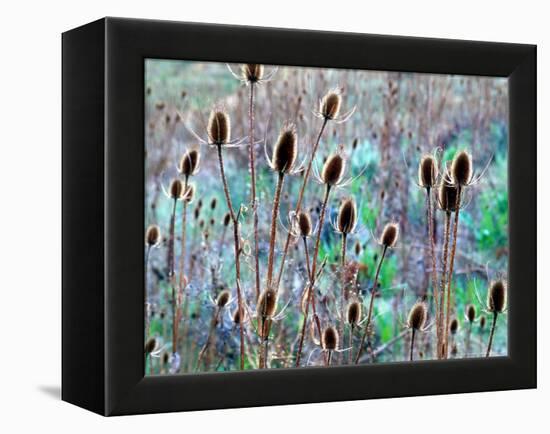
point(354, 311)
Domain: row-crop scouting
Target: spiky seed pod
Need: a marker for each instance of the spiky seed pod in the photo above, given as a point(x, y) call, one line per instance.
point(267, 303)
point(447, 195)
point(197, 213)
point(199, 204)
point(213, 204)
point(176, 189)
point(165, 358)
point(461, 168)
point(353, 314)
point(390, 235)
point(357, 248)
point(189, 163)
point(226, 219)
point(152, 236)
point(496, 298)
point(236, 317)
point(482, 322)
point(329, 340)
point(453, 326)
point(347, 216)
point(150, 345)
point(354, 143)
point(427, 172)
point(330, 104)
point(223, 298)
point(189, 193)
point(252, 72)
point(303, 221)
point(219, 127)
point(417, 316)
point(471, 313)
point(285, 150)
point(333, 169)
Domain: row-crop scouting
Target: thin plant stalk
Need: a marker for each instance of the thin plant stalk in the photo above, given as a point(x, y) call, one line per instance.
point(308, 301)
point(183, 226)
point(350, 355)
point(251, 158)
point(237, 249)
point(343, 279)
point(172, 274)
point(298, 206)
point(147, 253)
point(412, 345)
point(208, 337)
point(492, 334)
point(273, 229)
point(468, 339)
point(451, 265)
point(442, 342)
point(432, 254)
point(329, 358)
point(371, 306)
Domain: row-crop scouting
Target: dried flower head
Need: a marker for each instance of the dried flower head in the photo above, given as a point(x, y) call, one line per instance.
point(330, 104)
point(236, 316)
point(471, 312)
point(176, 189)
point(496, 298)
point(353, 314)
point(347, 216)
point(219, 127)
point(329, 339)
point(453, 326)
point(226, 219)
point(152, 236)
point(252, 72)
point(427, 171)
point(482, 322)
point(223, 298)
point(447, 195)
point(417, 316)
point(390, 235)
point(285, 150)
point(189, 163)
point(150, 345)
point(461, 169)
point(303, 223)
point(357, 248)
point(267, 303)
point(213, 203)
point(333, 169)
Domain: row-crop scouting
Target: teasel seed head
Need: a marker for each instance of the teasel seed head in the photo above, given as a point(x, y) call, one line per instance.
point(176, 189)
point(447, 195)
point(223, 298)
point(427, 171)
point(189, 163)
point(496, 298)
point(267, 303)
point(152, 236)
point(219, 127)
point(213, 203)
point(330, 104)
point(329, 340)
point(461, 168)
point(471, 313)
point(390, 235)
point(482, 322)
point(150, 345)
point(189, 193)
point(333, 169)
point(303, 221)
point(236, 316)
point(165, 358)
point(353, 314)
point(252, 72)
point(347, 216)
point(453, 326)
point(357, 248)
point(417, 316)
point(226, 219)
point(285, 150)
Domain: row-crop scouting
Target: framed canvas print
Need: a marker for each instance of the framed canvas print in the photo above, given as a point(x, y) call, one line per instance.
point(263, 216)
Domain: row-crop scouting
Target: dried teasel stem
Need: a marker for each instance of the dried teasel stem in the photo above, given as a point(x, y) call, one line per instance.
point(307, 296)
point(371, 304)
point(273, 229)
point(496, 303)
point(298, 206)
point(237, 247)
point(492, 334)
point(441, 350)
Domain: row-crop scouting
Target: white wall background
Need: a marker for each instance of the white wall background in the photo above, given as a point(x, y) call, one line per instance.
point(30, 204)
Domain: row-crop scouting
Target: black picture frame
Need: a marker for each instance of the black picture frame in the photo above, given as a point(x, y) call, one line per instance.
point(103, 197)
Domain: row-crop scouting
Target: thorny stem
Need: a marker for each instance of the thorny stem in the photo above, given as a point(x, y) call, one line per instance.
point(468, 339)
point(412, 346)
point(491, 336)
point(147, 252)
point(371, 305)
point(342, 294)
point(451, 264)
point(237, 247)
point(329, 358)
point(350, 358)
point(441, 343)
point(273, 230)
point(308, 301)
point(183, 225)
point(253, 182)
point(171, 274)
point(432, 254)
point(300, 198)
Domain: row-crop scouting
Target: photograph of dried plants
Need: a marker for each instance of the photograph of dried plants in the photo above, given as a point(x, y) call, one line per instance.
point(302, 217)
